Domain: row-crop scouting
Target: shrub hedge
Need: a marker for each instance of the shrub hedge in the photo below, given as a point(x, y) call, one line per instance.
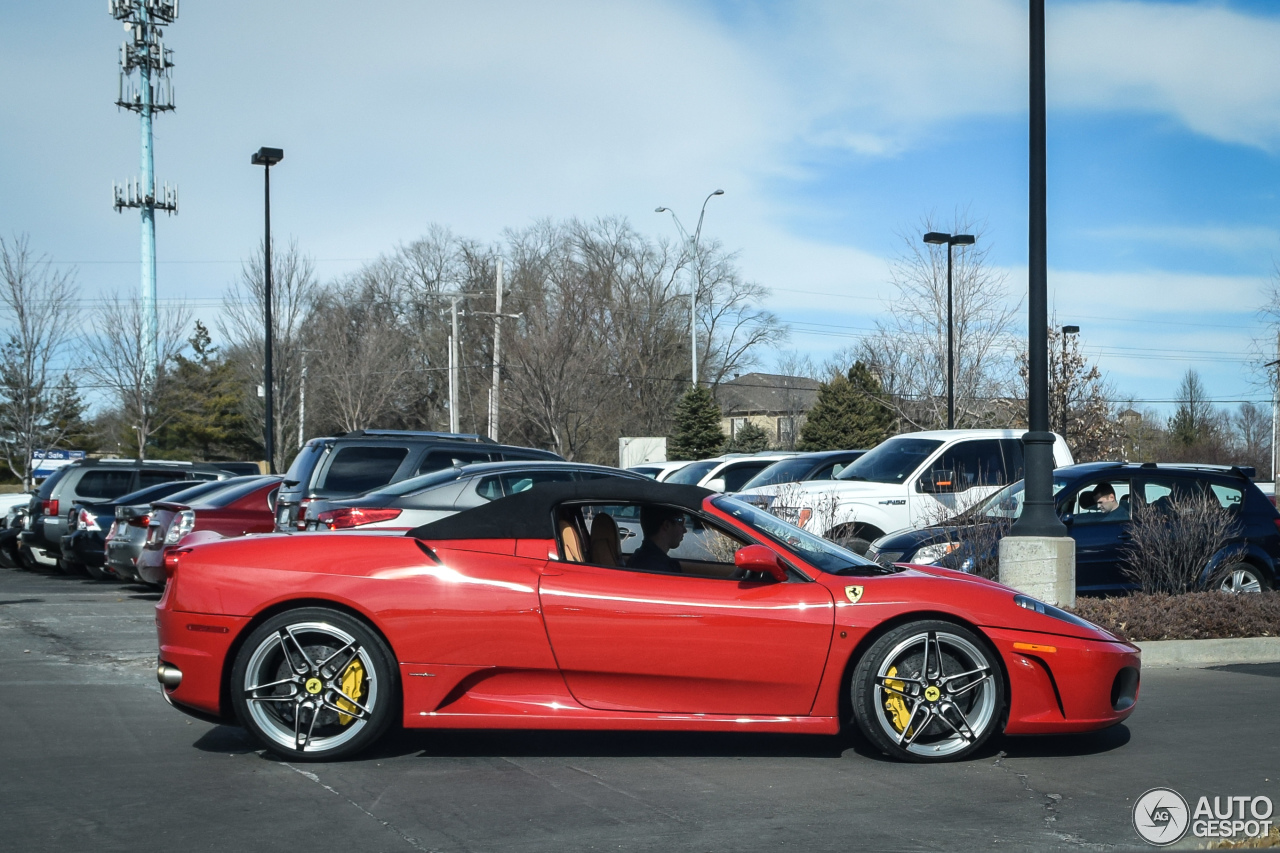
point(1188, 616)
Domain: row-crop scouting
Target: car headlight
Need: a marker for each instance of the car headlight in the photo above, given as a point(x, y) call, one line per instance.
point(1029, 603)
point(933, 553)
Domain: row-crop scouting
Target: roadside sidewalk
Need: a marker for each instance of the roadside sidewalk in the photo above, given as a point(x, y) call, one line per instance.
point(1203, 653)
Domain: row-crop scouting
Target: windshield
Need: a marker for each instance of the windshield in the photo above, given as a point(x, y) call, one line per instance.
point(690, 474)
point(1007, 503)
point(815, 550)
point(783, 471)
point(891, 462)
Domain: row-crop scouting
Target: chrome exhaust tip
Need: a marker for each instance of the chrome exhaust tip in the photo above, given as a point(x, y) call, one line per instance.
point(168, 675)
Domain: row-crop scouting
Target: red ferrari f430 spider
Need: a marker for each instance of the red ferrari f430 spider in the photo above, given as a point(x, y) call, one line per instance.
point(622, 605)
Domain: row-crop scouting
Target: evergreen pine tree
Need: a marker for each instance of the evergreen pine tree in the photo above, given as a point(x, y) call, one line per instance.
point(208, 424)
point(850, 413)
point(749, 438)
point(697, 434)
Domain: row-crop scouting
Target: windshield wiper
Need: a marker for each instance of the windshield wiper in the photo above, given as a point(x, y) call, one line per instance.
point(871, 569)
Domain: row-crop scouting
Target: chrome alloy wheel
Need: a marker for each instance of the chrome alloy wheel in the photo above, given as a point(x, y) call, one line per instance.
point(310, 687)
point(936, 693)
point(1241, 578)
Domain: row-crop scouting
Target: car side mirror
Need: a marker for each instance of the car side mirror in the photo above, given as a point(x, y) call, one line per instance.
point(938, 481)
point(716, 485)
point(758, 558)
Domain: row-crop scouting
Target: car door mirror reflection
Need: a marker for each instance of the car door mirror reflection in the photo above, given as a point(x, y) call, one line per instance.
point(758, 558)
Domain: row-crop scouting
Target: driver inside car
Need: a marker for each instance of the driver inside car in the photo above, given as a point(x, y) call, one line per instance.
point(664, 530)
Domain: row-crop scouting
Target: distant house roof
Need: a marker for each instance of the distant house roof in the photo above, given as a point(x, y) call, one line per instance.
point(767, 393)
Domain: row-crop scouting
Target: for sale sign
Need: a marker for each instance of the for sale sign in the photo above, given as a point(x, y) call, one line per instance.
point(45, 462)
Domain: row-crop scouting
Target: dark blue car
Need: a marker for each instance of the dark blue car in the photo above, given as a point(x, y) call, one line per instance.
point(1093, 501)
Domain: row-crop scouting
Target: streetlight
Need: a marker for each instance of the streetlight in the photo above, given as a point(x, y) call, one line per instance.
point(268, 157)
point(1066, 330)
point(938, 238)
point(691, 246)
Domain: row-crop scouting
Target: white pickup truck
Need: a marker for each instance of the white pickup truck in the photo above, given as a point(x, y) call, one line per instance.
point(909, 480)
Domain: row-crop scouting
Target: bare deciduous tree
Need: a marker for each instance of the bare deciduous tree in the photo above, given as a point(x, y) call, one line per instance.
point(39, 313)
point(908, 352)
point(120, 362)
point(293, 288)
point(1093, 428)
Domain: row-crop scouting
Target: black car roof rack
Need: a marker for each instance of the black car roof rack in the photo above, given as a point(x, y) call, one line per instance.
point(413, 433)
point(1248, 472)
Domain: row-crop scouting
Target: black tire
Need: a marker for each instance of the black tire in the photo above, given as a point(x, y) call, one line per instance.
point(72, 567)
point(289, 680)
point(1240, 578)
point(98, 573)
point(928, 691)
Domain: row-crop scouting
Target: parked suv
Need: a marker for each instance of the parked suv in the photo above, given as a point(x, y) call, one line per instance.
point(1246, 563)
point(96, 480)
point(909, 480)
point(341, 466)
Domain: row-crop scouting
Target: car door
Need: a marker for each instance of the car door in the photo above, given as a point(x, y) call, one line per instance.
point(963, 474)
point(629, 640)
point(1101, 537)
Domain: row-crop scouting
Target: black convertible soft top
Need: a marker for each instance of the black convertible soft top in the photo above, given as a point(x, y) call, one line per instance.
point(530, 514)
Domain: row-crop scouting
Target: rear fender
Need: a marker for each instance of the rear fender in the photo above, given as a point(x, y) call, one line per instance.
point(1241, 552)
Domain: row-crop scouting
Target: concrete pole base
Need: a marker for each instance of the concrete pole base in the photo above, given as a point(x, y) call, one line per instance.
point(1043, 567)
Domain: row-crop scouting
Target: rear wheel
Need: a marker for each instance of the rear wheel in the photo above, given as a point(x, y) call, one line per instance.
point(1242, 577)
point(98, 573)
point(71, 567)
point(928, 691)
point(315, 684)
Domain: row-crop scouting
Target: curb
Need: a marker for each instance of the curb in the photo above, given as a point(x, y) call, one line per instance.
point(1205, 653)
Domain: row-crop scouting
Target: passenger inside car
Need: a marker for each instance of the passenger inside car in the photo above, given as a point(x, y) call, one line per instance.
point(664, 530)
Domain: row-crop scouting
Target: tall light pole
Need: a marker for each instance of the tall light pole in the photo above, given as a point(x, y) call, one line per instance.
point(1039, 517)
point(267, 157)
point(938, 238)
point(1066, 330)
point(691, 246)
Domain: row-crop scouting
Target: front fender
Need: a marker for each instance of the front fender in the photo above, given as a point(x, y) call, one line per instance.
point(860, 512)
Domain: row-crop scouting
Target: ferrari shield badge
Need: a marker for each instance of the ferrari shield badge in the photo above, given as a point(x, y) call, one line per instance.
point(853, 593)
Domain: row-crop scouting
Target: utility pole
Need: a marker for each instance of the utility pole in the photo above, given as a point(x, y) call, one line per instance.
point(497, 346)
point(454, 420)
point(144, 52)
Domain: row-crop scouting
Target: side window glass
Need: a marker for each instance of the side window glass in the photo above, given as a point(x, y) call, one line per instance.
point(974, 463)
point(1229, 497)
point(489, 488)
point(154, 478)
point(1012, 450)
point(516, 483)
point(735, 477)
point(438, 459)
point(358, 469)
point(1097, 503)
point(104, 485)
point(613, 535)
point(827, 472)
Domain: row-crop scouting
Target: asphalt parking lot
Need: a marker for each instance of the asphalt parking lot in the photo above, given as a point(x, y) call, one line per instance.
point(95, 760)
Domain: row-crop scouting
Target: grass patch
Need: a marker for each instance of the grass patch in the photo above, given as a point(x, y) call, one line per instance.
point(1187, 616)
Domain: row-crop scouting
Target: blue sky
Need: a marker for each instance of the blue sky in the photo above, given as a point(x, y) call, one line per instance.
point(832, 127)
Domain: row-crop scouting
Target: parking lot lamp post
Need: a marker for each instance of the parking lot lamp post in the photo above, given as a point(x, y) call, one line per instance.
point(691, 246)
point(938, 238)
point(1066, 330)
point(267, 157)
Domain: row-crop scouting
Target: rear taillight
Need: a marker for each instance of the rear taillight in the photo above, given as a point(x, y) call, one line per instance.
point(111, 531)
point(341, 519)
point(50, 508)
point(85, 521)
point(182, 524)
point(300, 520)
point(138, 521)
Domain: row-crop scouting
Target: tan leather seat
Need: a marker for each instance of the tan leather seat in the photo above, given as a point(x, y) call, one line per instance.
point(571, 540)
point(605, 548)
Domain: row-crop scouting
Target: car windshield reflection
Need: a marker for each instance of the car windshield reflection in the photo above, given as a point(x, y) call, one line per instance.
point(815, 550)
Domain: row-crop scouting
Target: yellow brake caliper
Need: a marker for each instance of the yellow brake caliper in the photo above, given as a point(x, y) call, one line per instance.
point(894, 704)
point(353, 686)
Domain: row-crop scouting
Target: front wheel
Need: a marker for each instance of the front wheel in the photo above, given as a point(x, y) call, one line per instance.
point(928, 691)
point(313, 684)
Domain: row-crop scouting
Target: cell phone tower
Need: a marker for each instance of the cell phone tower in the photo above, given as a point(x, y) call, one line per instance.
point(149, 92)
